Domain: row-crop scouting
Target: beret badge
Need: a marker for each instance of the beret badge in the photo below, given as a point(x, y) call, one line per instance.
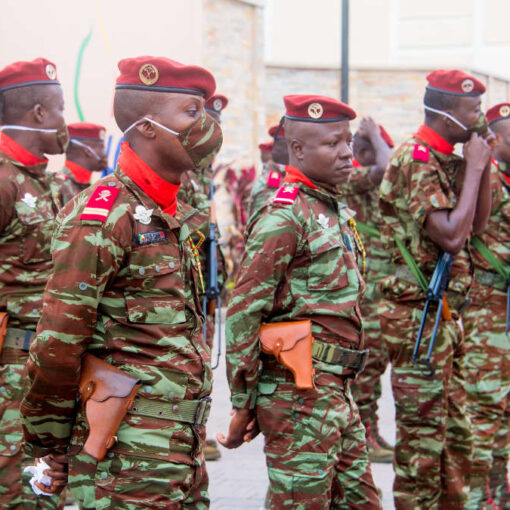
point(148, 74)
point(467, 85)
point(504, 111)
point(315, 110)
point(51, 72)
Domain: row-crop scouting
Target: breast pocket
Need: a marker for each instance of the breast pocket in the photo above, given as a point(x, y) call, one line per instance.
point(155, 291)
point(37, 228)
point(327, 269)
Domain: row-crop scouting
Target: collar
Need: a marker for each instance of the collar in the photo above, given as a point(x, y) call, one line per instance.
point(17, 152)
point(162, 192)
point(502, 167)
point(355, 163)
point(292, 174)
point(436, 141)
point(80, 174)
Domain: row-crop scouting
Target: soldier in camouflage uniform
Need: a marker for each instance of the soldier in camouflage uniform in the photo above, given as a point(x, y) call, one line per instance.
point(300, 264)
point(431, 200)
point(372, 151)
point(265, 148)
point(126, 286)
point(271, 176)
point(33, 125)
point(488, 347)
point(84, 156)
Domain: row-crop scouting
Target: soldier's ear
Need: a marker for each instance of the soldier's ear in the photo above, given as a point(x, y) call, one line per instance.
point(296, 146)
point(38, 113)
point(146, 129)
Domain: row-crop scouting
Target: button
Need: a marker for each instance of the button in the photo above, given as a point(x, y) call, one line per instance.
point(82, 286)
point(261, 250)
point(110, 455)
point(12, 447)
point(148, 389)
point(111, 183)
point(157, 268)
point(2, 389)
point(331, 243)
point(270, 464)
point(141, 270)
point(171, 395)
point(175, 408)
point(16, 310)
point(35, 311)
point(171, 265)
point(104, 475)
point(296, 415)
point(40, 217)
point(320, 472)
point(301, 400)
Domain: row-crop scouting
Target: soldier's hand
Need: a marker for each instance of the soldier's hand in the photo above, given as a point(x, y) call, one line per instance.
point(368, 128)
point(243, 428)
point(477, 153)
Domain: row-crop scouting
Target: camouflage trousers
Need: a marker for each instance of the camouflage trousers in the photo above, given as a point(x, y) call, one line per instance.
point(487, 365)
point(366, 388)
point(433, 447)
point(315, 445)
point(15, 491)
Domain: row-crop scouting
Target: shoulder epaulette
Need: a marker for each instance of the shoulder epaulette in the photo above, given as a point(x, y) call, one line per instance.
point(100, 203)
point(286, 194)
point(274, 179)
point(421, 152)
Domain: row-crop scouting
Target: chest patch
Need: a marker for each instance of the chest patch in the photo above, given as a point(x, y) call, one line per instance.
point(153, 236)
point(421, 153)
point(100, 203)
point(274, 179)
point(286, 194)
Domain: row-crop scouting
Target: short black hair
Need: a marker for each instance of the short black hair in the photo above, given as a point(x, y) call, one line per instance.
point(439, 101)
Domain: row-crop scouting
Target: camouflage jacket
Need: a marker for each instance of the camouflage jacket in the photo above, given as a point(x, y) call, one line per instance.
point(496, 236)
point(266, 184)
point(27, 221)
point(125, 288)
point(418, 181)
point(66, 185)
point(194, 189)
point(299, 264)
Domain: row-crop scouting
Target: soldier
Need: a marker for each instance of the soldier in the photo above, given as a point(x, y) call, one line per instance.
point(431, 200)
point(273, 172)
point(372, 150)
point(84, 156)
point(266, 148)
point(31, 109)
point(488, 347)
point(300, 265)
point(126, 287)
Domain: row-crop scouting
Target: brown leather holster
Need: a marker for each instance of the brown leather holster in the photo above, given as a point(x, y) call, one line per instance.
point(107, 393)
point(3, 328)
point(291, 344)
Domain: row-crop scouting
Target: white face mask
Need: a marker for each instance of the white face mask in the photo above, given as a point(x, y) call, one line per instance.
point(446, 114)
point(139, 121)
point(85, 146)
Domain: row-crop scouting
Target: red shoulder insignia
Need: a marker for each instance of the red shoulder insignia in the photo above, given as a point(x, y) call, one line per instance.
point(100, 203)
point(286, 194)
point(421, 153)
point(274, 179)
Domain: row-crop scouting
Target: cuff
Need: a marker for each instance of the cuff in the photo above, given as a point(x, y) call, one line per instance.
point(36, 451)
point(244, 400)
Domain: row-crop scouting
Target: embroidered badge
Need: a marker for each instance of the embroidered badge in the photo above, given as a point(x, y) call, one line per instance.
point(274, 180)
point(143, 215)
point(323, 220)
point(153, 236)
point(29, 199)
point(100, 203)
point(286, 194)
point(421, 153)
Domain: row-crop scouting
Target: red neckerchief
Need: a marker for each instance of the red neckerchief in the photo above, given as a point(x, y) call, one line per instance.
point(162, 192)
point(437, 142)
point(17, 152)
point(494, 162)
point(292, 174)
point(355, 163)
point(80, 174)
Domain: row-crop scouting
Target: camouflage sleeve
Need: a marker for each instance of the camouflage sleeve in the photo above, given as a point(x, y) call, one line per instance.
point(271, 245)
point(7, 199)
point(359, 181)
point(425, 193)
point(86, 258)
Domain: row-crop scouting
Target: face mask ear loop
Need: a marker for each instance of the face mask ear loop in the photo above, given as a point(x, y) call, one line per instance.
point(85, 146)
point(14, 127)
point(152, 122)
point(446, 114)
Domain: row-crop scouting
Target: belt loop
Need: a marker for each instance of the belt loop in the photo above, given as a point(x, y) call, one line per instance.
point(26, 340)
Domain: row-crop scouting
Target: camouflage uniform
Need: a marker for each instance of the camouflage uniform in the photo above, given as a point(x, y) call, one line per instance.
point(27, 220)
point(266, 184)
point(128, 294)
point(488, 348)
point(299, 264)
point(360, 195)
point(433, 447)
point(194, 189)
point(66, 185)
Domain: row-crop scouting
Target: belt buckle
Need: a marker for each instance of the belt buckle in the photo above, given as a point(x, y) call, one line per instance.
point(202, 412)
point(363, 356)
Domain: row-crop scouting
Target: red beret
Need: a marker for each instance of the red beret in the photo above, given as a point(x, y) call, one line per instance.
point(19, 74)
point(500, 111)
point(217, 103)
point(455, 82)
point(266, 146)
point(273, 129)
point(310, 108)
point(386, 137)
point(161, 74)
point(86, 130)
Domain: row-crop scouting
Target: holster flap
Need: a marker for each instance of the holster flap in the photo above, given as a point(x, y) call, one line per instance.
point(283, 336)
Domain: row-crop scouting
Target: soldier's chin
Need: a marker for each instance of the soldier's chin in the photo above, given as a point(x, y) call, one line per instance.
point(341, 176)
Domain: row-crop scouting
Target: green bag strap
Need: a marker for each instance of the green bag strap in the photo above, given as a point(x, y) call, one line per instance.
point(489, 257)
point(368, 230)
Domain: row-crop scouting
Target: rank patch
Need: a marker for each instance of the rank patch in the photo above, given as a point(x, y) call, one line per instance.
point(274, 180)
point(421, 153)
point(100, 203)
point(153, 236)
point(286, 194)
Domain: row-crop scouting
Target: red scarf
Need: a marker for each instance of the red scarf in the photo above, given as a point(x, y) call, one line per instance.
point(437, 142)
point(162, 192)
point(17, 152)
point(80, 174)
point(292, 174)
point(355, 163)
